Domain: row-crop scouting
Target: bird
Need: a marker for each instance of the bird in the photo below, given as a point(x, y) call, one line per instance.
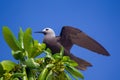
point(68, 37)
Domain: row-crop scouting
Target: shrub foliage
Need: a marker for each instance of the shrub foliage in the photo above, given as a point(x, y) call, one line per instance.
point(30, 65)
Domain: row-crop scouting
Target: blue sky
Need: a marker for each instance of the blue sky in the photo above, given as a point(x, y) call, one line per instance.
point(100, 19)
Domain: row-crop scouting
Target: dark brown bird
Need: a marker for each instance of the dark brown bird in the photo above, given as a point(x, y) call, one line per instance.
point(68, 37)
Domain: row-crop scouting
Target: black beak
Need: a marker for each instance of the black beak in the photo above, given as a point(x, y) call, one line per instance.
point(40, 32)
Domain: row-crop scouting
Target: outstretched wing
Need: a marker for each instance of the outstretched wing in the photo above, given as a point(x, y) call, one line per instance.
point(70, 36)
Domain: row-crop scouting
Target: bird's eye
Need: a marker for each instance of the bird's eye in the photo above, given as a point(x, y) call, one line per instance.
point(46, 29)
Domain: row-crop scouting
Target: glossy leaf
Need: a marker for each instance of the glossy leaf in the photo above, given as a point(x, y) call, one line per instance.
point(48, 53)
point(24, 72)
point(67, 76)
point(8, 65)
point(50, 75)
point(27, 40)
point(10, 39)
point(1, 78)
point(7, 76)
point(43, 74)
point(31, 63)
point(37, 49)
point(43, 45)
point(74, 72)
point(18, 55)
point(68, 61)
point(57, 56)
point(61, 51)
point(72, 63)
point(49, 65)
point(65, 58)
point(20, 37)
point(15, 79)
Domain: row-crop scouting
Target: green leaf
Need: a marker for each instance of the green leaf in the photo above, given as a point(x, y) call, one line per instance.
point(62, 76)
point(48, 53)
point(24, 72)
point(10, 39)
point(18, 55)
point(7, 76)
point(65, 58)
point(72, 63)
point(30, 62)
point(50, 75)
point(49, 65)
point(1, 70)
point(1, 78)
point(67, 76)
point(20, 37)
point(30, 74)
point(68, 61)
point(43, 45)
point(74, 72)
point(61, 51)
point(15, 79)
point(39, 60)
point(43, 74)
point(15, 75)
point(37, 49)
point(57, 56)
point(8, 65)
point(27, 40)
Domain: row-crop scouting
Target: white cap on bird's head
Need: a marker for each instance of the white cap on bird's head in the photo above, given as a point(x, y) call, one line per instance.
point(47, 31)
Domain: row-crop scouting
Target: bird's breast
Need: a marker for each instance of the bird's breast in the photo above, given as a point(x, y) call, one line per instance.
point(53, 45)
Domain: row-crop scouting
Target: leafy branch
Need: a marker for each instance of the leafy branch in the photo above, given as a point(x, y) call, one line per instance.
point(31, 66)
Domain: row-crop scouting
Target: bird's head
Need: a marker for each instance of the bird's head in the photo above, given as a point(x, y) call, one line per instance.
point(47, 31)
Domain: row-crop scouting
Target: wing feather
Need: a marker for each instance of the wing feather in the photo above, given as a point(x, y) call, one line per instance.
point(70, 36)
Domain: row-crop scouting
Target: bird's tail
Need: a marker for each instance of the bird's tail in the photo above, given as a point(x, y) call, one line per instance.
point(82, 64)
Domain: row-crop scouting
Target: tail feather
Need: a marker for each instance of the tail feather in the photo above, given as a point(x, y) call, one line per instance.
point(82, 64)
